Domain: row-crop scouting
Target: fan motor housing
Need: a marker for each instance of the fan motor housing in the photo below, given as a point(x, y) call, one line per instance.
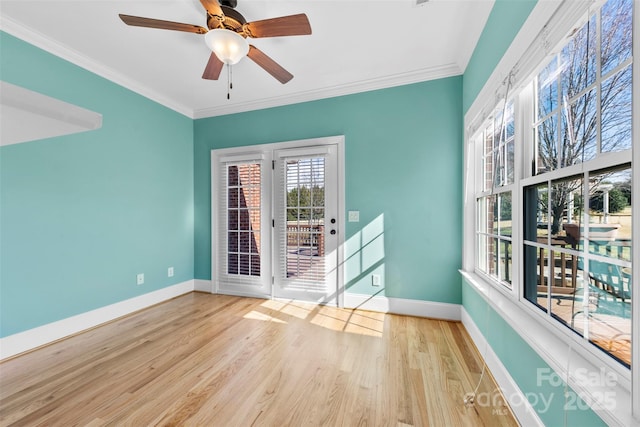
point(233, 20)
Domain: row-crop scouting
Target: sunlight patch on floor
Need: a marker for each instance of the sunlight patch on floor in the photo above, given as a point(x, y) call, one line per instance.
point(351, 322)
point(290, 308)
point(332, 318)
point(256, 315)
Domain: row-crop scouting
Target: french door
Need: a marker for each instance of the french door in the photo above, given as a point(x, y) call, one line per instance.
point(306, 228)
point(276, 222)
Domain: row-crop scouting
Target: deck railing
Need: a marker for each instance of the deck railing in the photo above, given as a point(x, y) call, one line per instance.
point(306, 236)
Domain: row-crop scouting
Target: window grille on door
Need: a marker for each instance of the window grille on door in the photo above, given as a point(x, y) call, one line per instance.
point(243, 212)
point(304, 238)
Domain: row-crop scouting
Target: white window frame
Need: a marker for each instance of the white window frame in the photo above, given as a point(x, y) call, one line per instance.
point(495, 190)
point(566, 353)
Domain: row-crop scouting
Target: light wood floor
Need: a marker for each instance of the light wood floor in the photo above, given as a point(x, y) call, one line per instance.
point(212, 360)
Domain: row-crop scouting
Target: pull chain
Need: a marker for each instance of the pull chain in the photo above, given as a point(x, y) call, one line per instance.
point(229, 80)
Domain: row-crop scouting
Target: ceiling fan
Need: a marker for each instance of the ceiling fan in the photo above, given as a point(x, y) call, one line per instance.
point(226, 35)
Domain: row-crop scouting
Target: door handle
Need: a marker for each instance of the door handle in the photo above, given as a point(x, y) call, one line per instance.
point(333, 231)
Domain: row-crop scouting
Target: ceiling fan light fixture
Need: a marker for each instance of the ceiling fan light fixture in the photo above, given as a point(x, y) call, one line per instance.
point(229, 46)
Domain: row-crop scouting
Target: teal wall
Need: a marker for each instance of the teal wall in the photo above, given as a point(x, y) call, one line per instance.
point(522, 362)
point(533, 375)
point(504, 22)
point(403, 173)
point(81, 215)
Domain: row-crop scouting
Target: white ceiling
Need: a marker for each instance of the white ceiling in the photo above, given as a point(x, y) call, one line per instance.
point(356, 45)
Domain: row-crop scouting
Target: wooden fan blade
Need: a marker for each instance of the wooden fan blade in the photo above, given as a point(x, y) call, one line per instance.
point(138, 21)
point(213, 68)
point(212, 7)
point(269, 65)
point(292, 25)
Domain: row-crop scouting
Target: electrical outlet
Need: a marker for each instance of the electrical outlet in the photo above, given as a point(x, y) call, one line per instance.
point(375, 280)
point(170, 272)
point(140, 279)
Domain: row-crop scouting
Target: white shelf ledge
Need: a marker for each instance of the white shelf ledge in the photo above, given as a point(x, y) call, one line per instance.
point(26, 115)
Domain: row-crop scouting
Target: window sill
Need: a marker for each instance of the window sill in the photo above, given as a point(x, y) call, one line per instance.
point(562, 351)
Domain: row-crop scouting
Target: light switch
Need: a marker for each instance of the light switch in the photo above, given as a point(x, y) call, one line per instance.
point(354, 216)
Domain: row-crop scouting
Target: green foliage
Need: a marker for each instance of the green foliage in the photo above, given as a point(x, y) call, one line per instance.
point(505, 205)
point(625, 189)
point(305, 204)
point(617, 201)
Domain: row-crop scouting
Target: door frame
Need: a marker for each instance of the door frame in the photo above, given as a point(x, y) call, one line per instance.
point(267, 150)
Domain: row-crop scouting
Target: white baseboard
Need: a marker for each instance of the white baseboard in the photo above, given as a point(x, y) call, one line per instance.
point(203, 286)
point(45, 334)
point(409, 307)
point(516, 399)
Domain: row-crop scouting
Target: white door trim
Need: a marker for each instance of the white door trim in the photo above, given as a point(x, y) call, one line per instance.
point(268, 149)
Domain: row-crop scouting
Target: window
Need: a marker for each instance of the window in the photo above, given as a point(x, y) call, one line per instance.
point(570, 202)
point(243, 216)
point(577, 255)
point(494, 231)
point(583, 94)
point(577, 227)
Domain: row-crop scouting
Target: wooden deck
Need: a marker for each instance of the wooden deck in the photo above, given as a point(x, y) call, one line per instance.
point(611, 333)
point(213, 360)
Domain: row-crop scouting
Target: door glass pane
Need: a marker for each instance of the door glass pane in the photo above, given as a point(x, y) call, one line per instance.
point(243, 218)
point(305, 201)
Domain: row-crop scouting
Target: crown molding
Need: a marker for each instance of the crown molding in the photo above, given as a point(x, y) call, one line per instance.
point(41, 41)
point(417, 76)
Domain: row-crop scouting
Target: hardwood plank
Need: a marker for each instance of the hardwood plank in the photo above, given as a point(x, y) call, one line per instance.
point(205, 359)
